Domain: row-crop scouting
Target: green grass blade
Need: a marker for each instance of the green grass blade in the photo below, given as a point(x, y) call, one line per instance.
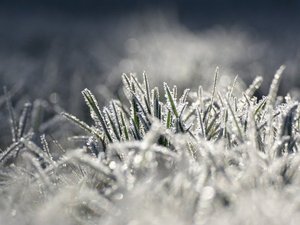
point(125, 129)
point(95, 112)
point(171, 100)
point(275, 86)
point(112, 124)
point(254, 86)
point(147, 98)
point(235, 119)
point(116, 117)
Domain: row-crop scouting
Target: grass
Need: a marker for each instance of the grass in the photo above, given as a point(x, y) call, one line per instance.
point(160, 157)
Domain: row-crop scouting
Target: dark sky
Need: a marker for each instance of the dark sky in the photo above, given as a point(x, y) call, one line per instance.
point(113, 6)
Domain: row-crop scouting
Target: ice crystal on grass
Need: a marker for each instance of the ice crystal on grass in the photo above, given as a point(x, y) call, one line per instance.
point(159, 157)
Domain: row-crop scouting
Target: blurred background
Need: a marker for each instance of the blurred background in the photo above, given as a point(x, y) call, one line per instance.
point(52, 49)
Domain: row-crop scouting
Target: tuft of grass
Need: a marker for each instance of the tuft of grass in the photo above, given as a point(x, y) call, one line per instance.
point(158, 157)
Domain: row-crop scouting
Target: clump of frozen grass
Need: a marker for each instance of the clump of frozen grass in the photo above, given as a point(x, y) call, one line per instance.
point(200, 157)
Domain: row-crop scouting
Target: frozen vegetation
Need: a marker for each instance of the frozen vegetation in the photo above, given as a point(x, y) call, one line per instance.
point(155, 156)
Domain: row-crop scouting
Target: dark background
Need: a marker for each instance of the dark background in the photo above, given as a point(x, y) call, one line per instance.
point(33, 31)
point(109, 6)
